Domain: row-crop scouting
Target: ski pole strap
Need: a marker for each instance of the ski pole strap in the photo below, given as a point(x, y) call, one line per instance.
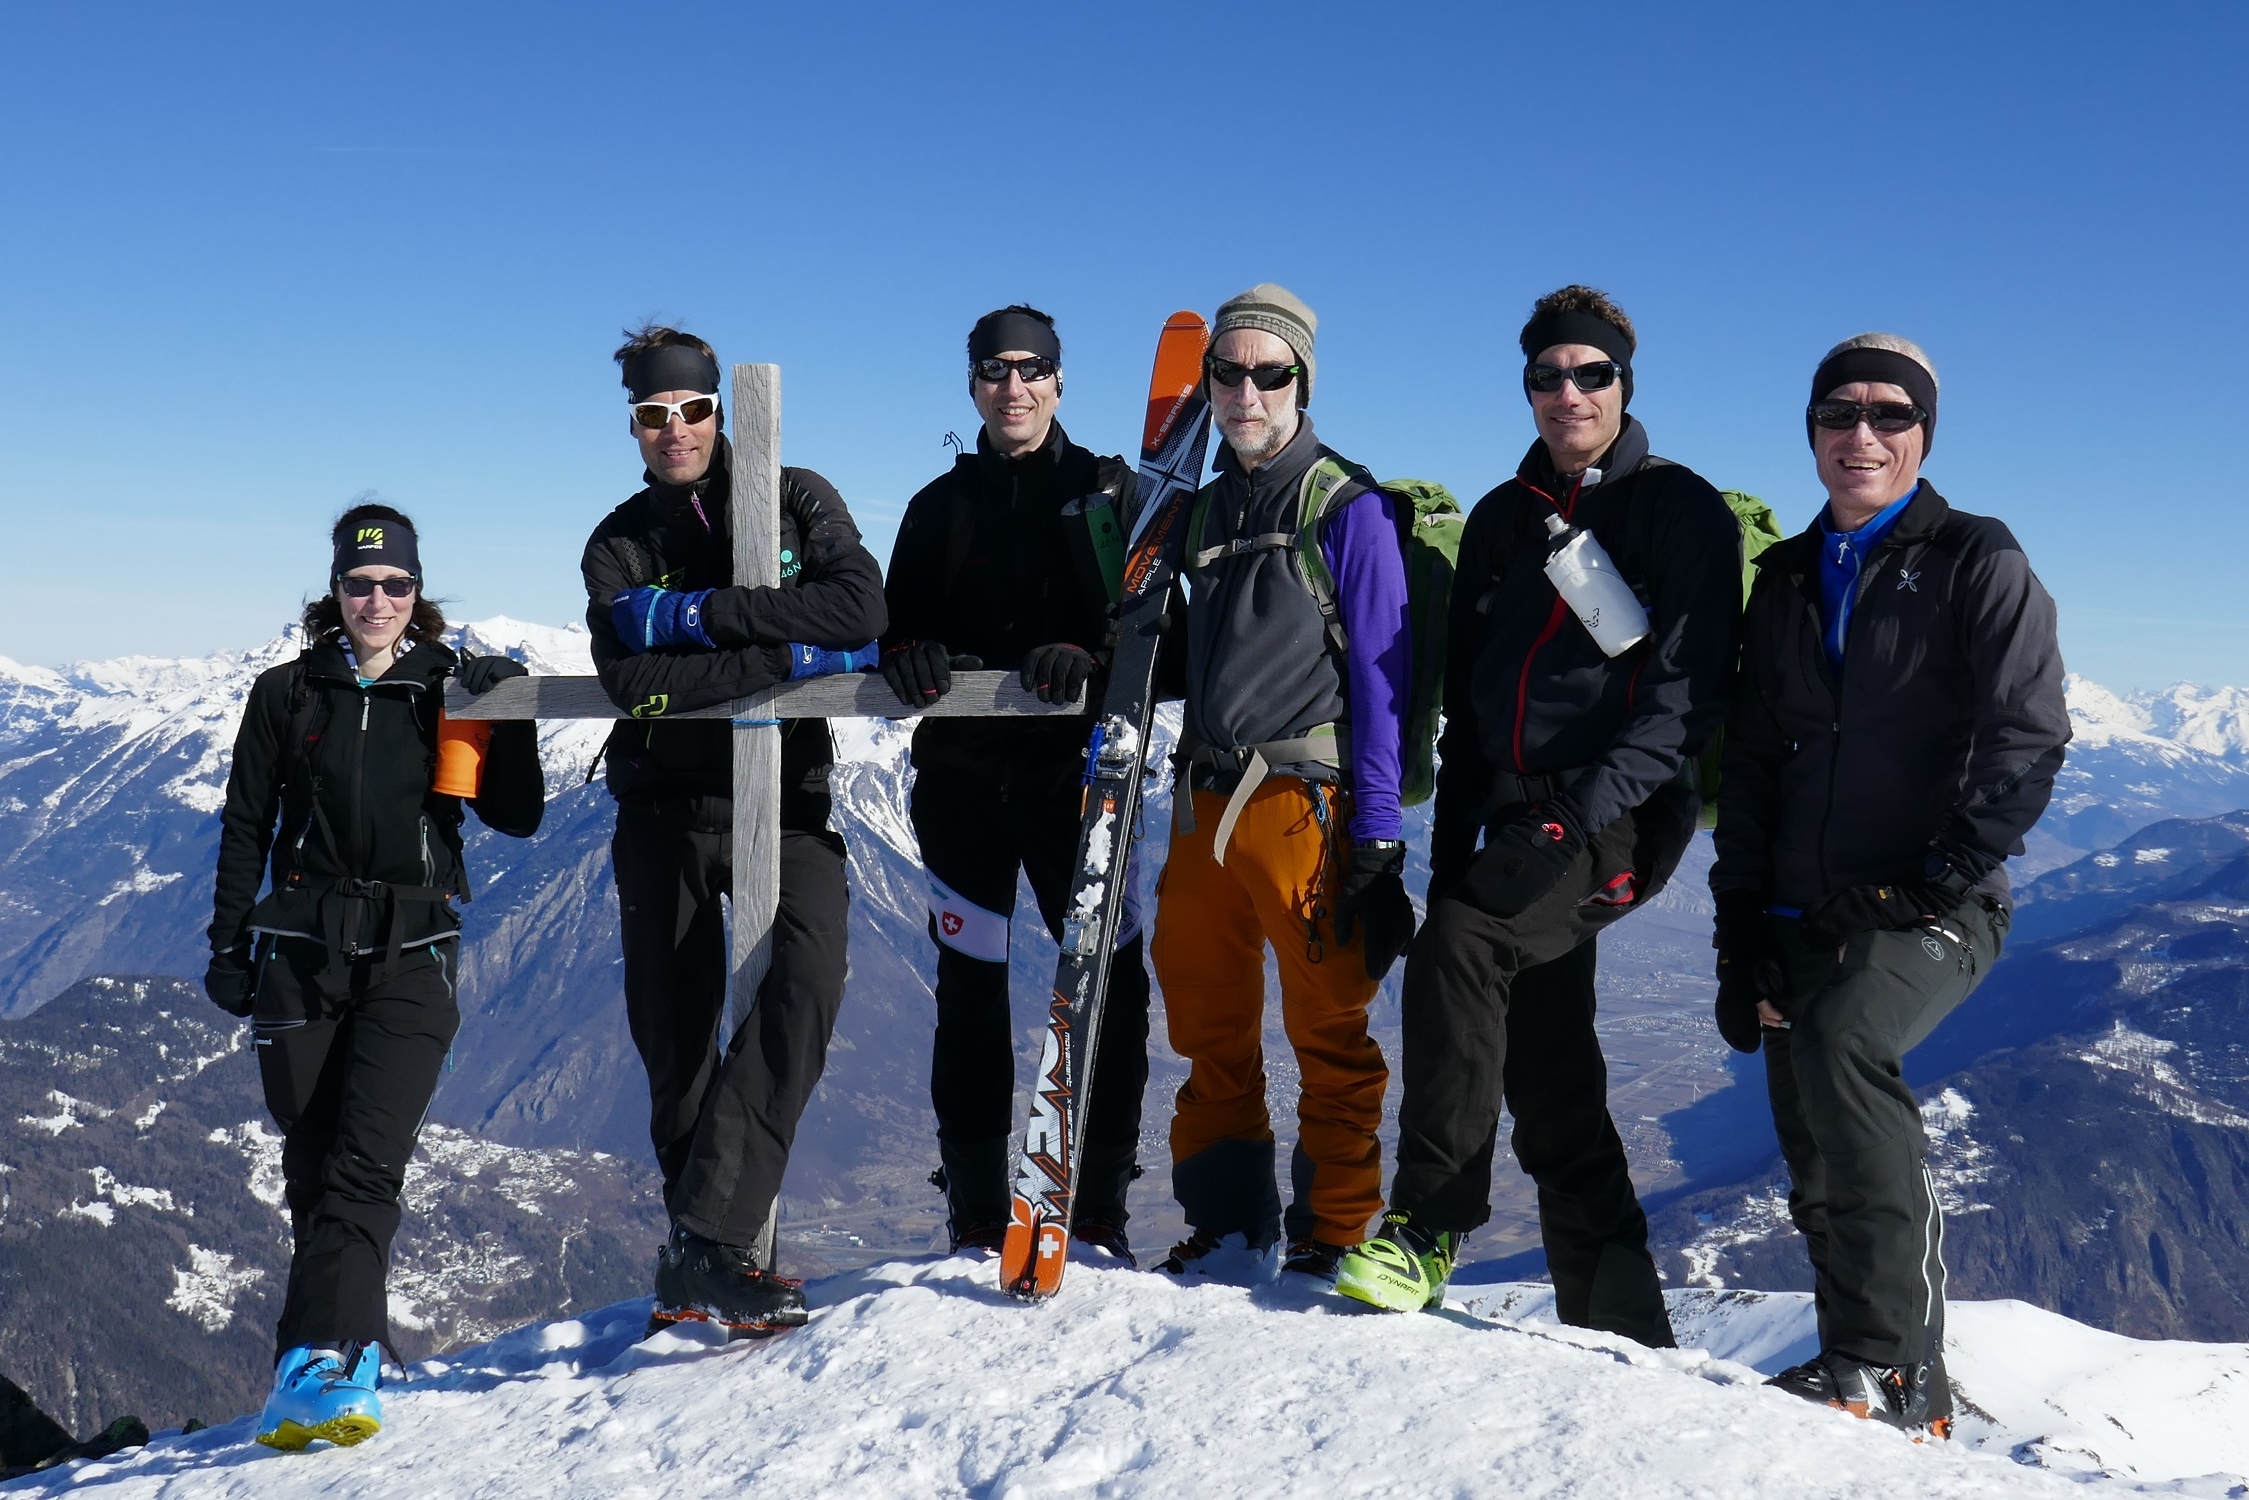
point(1323, 745)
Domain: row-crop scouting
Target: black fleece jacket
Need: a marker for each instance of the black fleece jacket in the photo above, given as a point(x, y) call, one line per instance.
point(1526, 689)
point(367, 760)
point(1943, 735)
point(830, 594)
point(984, 565)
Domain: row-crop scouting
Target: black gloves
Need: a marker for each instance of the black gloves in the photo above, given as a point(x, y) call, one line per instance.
point(227, 981)
point(1748, 967)
point(481, 674)
point(1057, 673)
point(1374, 889)
point(1877, 908)
point(1522, 860)
point(919, 672)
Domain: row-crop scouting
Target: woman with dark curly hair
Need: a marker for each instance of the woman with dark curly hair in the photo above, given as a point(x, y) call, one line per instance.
point(346, 967)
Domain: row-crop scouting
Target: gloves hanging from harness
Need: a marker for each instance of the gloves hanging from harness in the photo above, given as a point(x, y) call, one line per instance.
point(1057, 673)
point(648, 617)
point(819, 661)
point(1523, 860)
point(1374, 888)
point(1748, 967)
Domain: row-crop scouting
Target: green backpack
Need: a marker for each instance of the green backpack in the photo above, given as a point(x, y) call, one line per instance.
point(1429, 527)
point(1760, 528)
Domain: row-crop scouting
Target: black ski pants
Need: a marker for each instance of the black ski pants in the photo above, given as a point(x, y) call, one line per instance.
point(976, 831)
point(348, 1078)
point(1851, 1129)
point(1500, 1010)
point(723, 1123)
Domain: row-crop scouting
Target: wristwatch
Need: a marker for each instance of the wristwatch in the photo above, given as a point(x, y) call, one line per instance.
point(1382, 846)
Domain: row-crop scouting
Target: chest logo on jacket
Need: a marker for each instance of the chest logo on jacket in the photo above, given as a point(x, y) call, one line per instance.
point(1909, 580)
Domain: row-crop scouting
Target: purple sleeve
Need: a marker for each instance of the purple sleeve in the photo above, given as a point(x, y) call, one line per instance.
point(1360, 543)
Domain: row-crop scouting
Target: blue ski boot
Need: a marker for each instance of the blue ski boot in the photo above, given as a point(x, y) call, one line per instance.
point(324, 1395)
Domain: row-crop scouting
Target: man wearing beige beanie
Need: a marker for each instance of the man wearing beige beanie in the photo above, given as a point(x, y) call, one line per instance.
point(1287, 825)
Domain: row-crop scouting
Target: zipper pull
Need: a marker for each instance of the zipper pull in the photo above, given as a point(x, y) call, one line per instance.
point(365, 699)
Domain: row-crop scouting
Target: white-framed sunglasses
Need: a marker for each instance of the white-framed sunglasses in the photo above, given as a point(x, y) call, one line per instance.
point(659, 413)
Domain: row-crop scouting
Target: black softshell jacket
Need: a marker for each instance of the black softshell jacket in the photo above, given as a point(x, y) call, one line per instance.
point(1526, 689)
point(830, 595)
point(983, 565)
point(365, 763)
point(1946, 728)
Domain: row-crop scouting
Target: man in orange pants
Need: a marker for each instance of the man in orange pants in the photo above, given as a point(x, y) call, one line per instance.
point(1287, 826)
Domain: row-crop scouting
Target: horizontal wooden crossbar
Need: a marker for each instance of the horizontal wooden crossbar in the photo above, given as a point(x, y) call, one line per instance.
point(854, 695)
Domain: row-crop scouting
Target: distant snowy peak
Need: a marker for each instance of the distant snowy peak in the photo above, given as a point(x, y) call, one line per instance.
point(2210, 721)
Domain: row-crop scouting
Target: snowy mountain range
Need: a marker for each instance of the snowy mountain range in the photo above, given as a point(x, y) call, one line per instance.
point(111, 774)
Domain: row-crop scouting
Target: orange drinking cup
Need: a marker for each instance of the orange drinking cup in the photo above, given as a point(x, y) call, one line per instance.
point(460, 755)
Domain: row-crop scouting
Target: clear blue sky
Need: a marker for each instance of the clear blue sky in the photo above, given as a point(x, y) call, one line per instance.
point(257, 261)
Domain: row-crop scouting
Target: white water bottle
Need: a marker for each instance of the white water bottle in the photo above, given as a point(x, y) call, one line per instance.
point(1581, 572)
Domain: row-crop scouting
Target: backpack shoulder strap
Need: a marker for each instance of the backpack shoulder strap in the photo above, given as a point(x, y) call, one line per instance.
point(960, 525)
point(1328, 486)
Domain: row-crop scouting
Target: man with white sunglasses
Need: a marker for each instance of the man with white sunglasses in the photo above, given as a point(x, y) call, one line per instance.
point(671, 632)
point(1896, 732)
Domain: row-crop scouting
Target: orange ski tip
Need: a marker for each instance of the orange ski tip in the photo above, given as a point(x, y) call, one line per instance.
point(1179, 369)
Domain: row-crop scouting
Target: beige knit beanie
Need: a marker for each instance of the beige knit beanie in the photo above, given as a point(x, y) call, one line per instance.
point(1277, 311)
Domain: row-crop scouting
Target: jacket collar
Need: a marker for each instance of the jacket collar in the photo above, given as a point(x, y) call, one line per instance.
point(419, 664)
point(701, 506)
point(1627, 453)
point(1922, 516)
point(1045, 458)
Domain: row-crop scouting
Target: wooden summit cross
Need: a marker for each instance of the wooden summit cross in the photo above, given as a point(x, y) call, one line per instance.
point(754, 515)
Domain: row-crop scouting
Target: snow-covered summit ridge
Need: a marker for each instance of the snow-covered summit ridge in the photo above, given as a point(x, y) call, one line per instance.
point(2211, 721)
point(920, 1378)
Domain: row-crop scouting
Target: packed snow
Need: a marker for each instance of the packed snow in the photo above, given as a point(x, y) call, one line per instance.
point(920, 1378)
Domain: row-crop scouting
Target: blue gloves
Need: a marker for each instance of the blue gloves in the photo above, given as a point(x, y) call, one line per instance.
point(650, 617)
point(818, 661)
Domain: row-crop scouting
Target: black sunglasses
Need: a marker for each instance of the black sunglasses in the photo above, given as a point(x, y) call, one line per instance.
point(364, 588)
point(1226, 373)
point(1882, 416)
point(1597, 376)
point(1034, 368)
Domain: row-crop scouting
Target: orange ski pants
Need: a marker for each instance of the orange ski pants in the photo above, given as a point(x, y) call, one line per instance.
point(1213, 922)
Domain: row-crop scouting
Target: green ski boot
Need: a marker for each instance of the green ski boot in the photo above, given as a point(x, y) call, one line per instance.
point(1402, 1269)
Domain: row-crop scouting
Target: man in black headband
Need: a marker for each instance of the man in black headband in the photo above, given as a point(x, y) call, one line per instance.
point(672, 631)
point(1574, 768)
point(1012, 557)
point(1887, 752)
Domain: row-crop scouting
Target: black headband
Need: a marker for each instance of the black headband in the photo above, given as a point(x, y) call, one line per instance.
point(1547, 329)
point(671, 367)
point(1887, 367)
point(996, 333)
point(377, 542)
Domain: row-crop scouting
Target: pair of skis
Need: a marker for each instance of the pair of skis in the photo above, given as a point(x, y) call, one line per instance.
point(1173, 444)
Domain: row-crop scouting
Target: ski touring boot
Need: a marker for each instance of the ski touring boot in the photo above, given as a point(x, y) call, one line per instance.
point(1912, 1398)
point(1106, 1241)
point(1314, 1258)
point(324, 1395)
point(703, 1281)
point(1402, 1269)
point(975, 1224)
point(1237, 1259)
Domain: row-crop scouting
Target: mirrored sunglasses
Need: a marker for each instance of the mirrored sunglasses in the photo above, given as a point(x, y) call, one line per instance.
point(660, 413)
point(1882, 416)
point(1032, 368)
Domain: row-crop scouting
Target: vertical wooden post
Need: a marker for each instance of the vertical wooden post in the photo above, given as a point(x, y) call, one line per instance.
point(754, 517)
